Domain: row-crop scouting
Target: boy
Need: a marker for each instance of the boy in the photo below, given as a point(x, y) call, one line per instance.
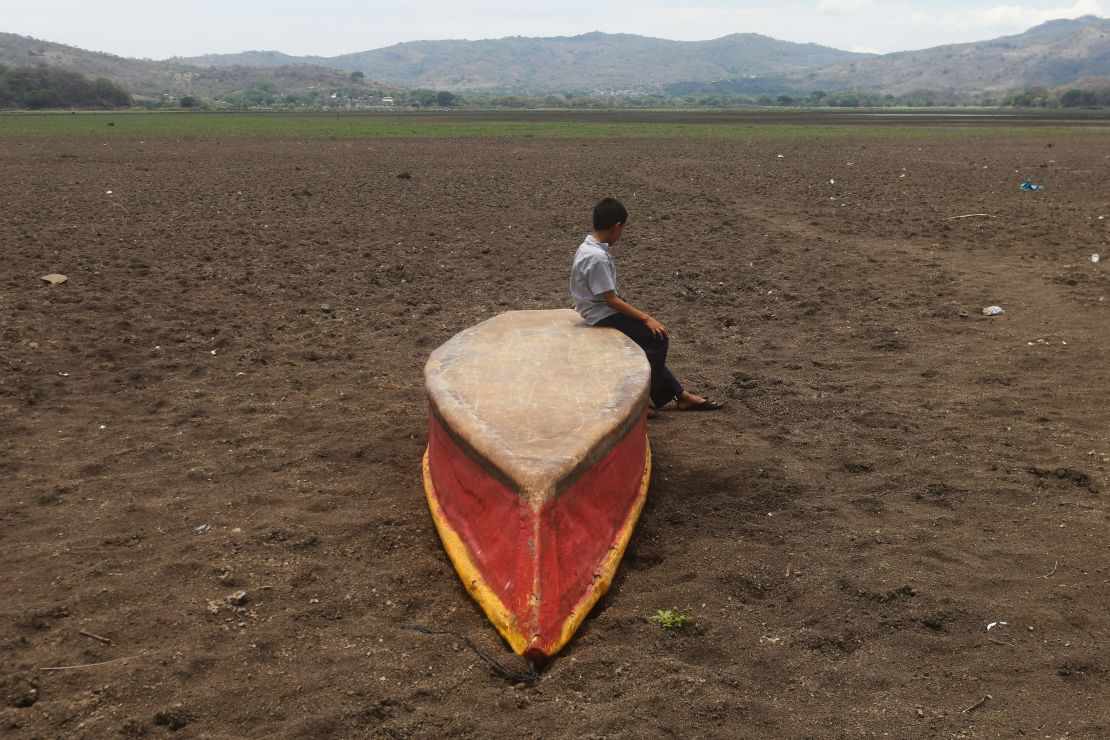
point(593, 285)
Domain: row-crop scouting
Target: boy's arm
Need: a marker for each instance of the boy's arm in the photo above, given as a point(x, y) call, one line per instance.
point(619, 305)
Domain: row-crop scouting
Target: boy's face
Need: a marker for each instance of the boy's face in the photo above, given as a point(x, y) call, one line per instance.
point(616, 233)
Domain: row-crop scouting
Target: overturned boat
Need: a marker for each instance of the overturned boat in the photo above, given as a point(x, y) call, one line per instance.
point(537, 466)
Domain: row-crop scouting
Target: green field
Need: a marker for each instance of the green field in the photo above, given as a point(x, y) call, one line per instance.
point(301, 126)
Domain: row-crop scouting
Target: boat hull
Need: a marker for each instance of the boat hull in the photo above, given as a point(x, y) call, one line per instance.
point(536, 566)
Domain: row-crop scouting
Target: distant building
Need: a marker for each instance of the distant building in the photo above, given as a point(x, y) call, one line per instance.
point(387, 101)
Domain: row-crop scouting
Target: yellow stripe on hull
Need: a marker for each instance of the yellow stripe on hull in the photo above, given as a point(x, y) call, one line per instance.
point(495, 608)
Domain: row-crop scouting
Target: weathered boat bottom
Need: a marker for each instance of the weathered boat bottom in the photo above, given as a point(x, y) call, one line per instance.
point(536, 569)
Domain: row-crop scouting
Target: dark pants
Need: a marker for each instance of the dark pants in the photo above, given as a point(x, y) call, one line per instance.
point(664, 385)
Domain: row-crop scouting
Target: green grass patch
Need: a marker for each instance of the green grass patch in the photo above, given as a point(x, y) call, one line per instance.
point(320, 126)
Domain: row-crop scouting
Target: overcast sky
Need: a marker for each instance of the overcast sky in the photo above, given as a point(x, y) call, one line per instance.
point(164, 28)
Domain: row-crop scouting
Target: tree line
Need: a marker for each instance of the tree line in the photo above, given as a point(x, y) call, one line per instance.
point(1035, 97)
point(266, 96)
point(40, 86)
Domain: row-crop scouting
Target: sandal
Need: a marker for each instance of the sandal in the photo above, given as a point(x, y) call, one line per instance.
point(706, 405)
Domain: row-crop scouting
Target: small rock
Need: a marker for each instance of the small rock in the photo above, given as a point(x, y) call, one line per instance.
point(33, 345)
point(404, 176)
point(18, 692)
point(54, 279)
point(175, 718)
point(326, 308)
point(132, 728)
point(237, 599)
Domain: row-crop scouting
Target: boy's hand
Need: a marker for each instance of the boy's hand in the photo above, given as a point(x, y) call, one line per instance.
point(657, 329)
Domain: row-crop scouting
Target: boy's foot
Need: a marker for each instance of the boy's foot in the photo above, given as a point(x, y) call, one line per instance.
point(652, 412)
point(691, 402)
point(705, 405)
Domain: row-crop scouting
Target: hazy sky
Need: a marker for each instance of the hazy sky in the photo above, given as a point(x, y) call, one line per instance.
point(164, 28)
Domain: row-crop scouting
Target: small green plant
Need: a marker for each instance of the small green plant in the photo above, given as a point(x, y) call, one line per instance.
point(671, 619)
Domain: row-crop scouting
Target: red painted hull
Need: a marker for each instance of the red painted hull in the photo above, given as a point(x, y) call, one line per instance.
point(536, 566)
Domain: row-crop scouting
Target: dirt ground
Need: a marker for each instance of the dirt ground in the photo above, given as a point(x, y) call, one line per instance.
point(226, 396)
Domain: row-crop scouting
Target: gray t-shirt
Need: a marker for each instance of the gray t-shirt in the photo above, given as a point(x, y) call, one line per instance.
point(592, 274)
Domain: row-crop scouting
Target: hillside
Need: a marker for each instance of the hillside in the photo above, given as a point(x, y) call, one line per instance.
point(593, 61)
point(138, 76)
point(149, 78)
point(1053, 54)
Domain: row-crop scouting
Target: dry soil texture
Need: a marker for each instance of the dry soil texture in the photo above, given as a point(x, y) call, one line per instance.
point(226, 397)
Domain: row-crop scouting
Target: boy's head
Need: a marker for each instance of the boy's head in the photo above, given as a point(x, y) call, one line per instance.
point(610, 216)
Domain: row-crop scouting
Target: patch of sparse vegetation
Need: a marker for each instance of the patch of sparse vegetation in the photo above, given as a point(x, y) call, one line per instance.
point(671, 619)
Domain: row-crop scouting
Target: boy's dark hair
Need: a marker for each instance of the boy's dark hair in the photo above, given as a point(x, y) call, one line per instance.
point(608, 212)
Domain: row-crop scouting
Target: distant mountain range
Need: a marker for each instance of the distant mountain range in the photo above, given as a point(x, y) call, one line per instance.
point(148, 78)
point(1054, 54)
point(590, 62)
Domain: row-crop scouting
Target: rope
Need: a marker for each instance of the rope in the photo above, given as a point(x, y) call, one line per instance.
point(528, 679)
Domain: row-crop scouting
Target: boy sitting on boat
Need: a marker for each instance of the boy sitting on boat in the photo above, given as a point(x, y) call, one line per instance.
point(593, 285)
